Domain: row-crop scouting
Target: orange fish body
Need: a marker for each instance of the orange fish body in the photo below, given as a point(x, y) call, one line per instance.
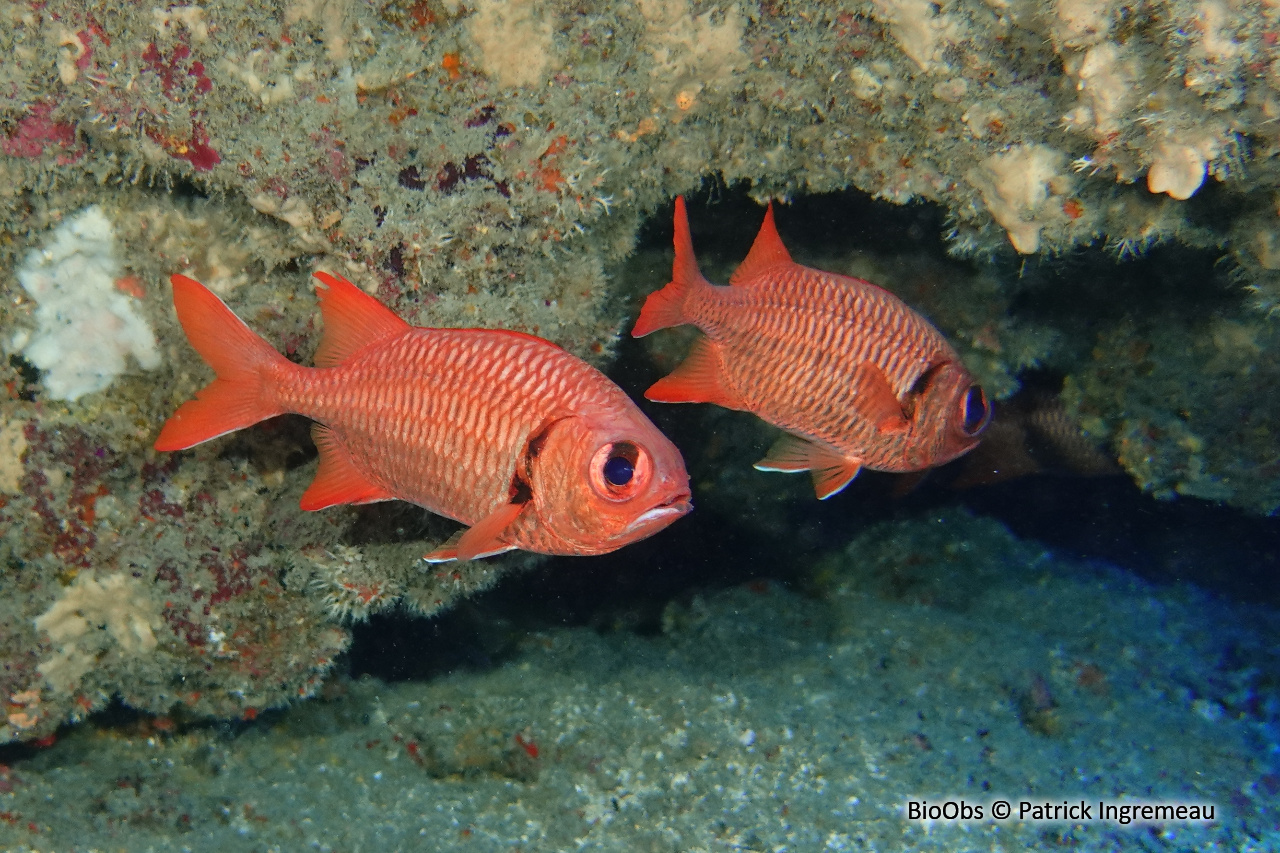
point(855, 377)
point(529, 446)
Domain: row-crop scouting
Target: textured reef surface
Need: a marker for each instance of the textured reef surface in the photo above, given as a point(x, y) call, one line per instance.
point(1081, 195)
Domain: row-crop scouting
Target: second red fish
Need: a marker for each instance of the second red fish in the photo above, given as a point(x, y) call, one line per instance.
point(855, 377)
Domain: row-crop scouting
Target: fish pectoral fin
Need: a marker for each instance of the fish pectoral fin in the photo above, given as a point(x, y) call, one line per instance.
point(793, 454)
point(699, 379)
point(484, 539)
point(338, 481)
point(876, 400)
point(448, 552)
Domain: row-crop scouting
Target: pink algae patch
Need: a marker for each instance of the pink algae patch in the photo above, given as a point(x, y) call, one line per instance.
point(199, 153)
point(36, 131)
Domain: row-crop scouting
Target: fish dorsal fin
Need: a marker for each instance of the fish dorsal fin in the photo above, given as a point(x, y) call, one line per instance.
point(876, 401)
point(793, 454)
point(767, 251)
point(338, 481)
point(698, 379)
point(352, 320)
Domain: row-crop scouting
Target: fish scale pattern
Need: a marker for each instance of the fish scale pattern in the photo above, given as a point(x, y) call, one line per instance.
point(423, 413)
point(793, 347)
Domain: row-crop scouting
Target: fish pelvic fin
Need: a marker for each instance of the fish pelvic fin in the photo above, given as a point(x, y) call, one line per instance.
point(353, 320)
point(666, 307)
point(766, 252)
point(338, 481)
point(483, 539)
point(242, 394)
point(792, 454)
point(699, 379)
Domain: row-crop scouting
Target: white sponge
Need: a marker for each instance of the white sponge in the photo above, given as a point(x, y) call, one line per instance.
point(86, 326)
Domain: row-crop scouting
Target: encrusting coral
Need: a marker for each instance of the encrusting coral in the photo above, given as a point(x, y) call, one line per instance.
point(114, 616)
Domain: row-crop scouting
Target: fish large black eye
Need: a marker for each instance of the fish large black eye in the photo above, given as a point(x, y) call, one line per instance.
point(618, 470)
point(976, 411)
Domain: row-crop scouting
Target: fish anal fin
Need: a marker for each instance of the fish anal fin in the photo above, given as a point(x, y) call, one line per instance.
point(352, 320)
point(792, 454)
point(767, 251)
point(831, 481)
point(876, 401)
point(699, 379)
point(484, 539)
point(338, 481)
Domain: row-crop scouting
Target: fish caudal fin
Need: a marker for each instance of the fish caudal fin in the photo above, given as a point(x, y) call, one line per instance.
point(791, 454)
point(242, 393)
point(666, 307)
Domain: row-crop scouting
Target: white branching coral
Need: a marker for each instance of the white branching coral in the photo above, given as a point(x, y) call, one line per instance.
point(87, 327)
point(1108, 78)
point(352, 589)
point(1080, 23)
point(95, 618)
point(13, 443)
point(1177, 170)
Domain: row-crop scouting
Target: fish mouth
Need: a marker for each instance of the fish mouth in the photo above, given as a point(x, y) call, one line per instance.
point(663, 514)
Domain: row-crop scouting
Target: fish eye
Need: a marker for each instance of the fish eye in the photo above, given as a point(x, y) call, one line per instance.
point(619, 470)
point(975, 411)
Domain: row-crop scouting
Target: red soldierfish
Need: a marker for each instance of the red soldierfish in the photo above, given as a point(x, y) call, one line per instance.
point(505, 432)
point(855, 377)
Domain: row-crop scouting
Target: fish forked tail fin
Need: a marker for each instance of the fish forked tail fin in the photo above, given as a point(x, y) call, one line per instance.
point(666, 307)
point(239, 396)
